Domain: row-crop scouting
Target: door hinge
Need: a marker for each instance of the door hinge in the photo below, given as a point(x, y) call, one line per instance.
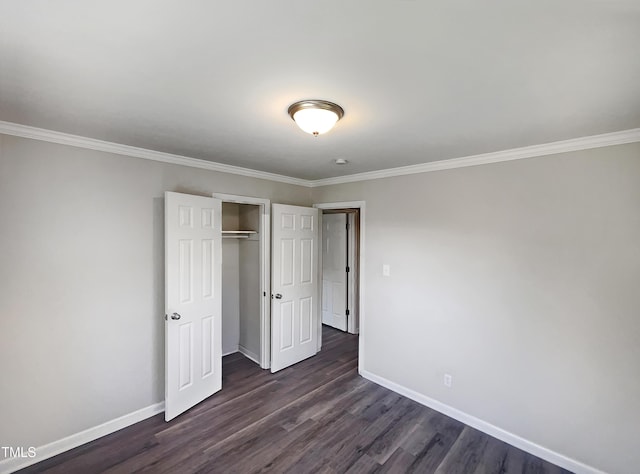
point(348, 269)
point(347, 312)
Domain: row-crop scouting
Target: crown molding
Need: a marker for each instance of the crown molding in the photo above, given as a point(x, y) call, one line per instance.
point(61, 138)
point(564, 146)
point(575, 144)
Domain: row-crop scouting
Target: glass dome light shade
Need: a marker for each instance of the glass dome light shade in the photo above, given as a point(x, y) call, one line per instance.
point(315, 121)
point(315, 116)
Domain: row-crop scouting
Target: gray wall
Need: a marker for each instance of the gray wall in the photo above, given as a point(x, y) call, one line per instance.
point(250, 296)
point(522, 280)
point(230, 280)
point(230, 296)
point(82, 282)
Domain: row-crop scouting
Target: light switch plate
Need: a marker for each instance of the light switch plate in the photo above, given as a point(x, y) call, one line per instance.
point(386, 270)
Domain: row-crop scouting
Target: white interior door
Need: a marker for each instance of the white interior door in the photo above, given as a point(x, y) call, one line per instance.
point(295, 288)
point(193, 326)
point(334, 270)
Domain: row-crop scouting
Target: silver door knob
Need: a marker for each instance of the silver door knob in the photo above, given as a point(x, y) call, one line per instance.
point(175, 316)
point(278, 296)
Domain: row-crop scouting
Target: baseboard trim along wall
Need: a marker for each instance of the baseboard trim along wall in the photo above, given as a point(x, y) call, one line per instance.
point(492, 430)
point(78, 439)
point(247, 353)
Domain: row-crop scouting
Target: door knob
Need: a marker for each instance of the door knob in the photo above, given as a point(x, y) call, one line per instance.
point(175, 316)
point(278, 296)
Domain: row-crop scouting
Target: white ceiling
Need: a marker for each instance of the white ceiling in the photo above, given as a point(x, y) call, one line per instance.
point(419, 81)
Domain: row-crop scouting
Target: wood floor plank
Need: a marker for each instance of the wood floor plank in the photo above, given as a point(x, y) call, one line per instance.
point(494, 458)
point(423, 430)
point(351, 449)
point(256, 451)
point(466, 452)
point(311, 444)
point(364, 465)
point(384, 446)
point(435, 450)
point(318, 416)
point(320, 449)
point(399, 461)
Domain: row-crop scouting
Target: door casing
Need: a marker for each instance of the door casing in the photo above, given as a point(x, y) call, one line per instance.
point(361, 205)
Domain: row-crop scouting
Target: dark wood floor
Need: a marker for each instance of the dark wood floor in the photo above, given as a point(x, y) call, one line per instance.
point(319, 416)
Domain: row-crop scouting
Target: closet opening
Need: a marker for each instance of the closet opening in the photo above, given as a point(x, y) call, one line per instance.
point(245, 278)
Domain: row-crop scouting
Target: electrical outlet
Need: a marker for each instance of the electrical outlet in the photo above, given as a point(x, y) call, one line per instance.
point(448, 380)
point(386, 270)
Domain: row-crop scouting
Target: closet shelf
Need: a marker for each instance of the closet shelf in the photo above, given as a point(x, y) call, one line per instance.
point(237, 234)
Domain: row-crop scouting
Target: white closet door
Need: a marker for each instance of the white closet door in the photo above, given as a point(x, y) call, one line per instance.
point(334, 270)
point(193, 327)
point(295, 288)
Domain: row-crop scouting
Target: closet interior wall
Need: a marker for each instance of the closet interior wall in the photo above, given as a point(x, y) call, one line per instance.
point(241, 281)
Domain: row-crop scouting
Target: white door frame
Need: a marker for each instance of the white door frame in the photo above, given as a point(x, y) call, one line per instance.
point(352, 244)
point(361, 205)
point(265, 269)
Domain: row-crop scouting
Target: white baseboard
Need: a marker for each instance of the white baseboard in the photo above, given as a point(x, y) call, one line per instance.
point(230, 352)
point(492, 430)
point(54, 448)
point(247, 353)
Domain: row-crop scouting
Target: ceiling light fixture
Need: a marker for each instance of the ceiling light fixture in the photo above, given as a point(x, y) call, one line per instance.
point(315, 116)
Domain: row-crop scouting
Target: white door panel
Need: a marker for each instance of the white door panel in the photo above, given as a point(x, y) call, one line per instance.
point(193, 339)
point(334, 274)
point(295, 286)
